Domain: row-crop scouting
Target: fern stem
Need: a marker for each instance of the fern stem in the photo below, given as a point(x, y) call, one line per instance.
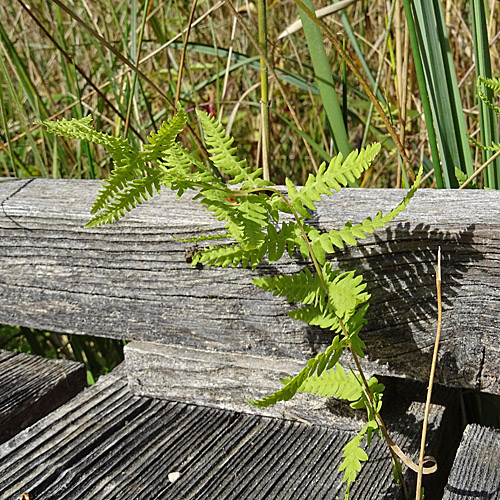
point(378, 417)
point(301, 227)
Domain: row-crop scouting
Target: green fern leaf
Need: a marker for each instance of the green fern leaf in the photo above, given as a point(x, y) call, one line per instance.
point(246, 217)
point(129, 163)
point(322, 361)
point(229, 256)
point(161, 141)
point(338, 174)
point(303, 287)
point(354, 456)
point(197, 239)
point(224, 157)
point(345, 292)
point(136, 192)
point(80, 128)
point(325, 243)
point(334, 383)
point(490, 83)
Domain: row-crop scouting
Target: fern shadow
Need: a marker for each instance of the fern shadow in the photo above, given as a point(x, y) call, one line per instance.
point(400, 271)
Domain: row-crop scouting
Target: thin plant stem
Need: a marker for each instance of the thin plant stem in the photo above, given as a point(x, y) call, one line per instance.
point(78, 68)
point(132, 66)
point(134, 79)
point(264, 86)
point(278, 84)
point(479, 170)
point(421, 459)
point(19, 136)
point(377, 78)
point(183, 53)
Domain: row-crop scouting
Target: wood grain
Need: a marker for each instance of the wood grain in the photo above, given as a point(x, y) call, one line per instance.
point(32, 387)
point(131, 280)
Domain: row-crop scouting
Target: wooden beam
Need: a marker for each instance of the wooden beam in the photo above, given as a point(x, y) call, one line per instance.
point(131, 279)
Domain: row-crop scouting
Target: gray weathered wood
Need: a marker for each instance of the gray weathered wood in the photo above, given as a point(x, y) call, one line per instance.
point(32, 386)
point(130, 280)
point(476, 473)
point(220, 380)
point(109, 444)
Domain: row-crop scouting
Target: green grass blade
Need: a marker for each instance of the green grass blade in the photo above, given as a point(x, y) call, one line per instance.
point(419, 70)
point(488, 121)
point(442, 86)
point(324, 79)
point(15, 100)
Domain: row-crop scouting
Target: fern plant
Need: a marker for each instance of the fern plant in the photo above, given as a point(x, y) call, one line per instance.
point(257, 222)
point(487, 88)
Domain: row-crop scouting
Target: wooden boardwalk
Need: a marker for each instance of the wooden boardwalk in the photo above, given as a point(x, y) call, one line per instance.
point(107, 443)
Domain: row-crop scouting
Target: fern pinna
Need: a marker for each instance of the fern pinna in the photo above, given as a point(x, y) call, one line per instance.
point(252, 210)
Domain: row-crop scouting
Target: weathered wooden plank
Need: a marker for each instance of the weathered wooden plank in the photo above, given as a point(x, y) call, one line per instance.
point(107, 443)
point(32, 386)
point(475, 472)
point(130, 280)
point(220, 380)
point(224, 380)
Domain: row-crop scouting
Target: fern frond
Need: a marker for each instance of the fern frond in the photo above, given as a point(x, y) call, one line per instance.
point(178, 175)
point(334, 383)
point(80, 128)
point(224, 157)
point(323, 361)
point(327, 319)
point(161, 141)
point(354, 456)
point(303, 287)
point(492, 84)
point(197, 239)
point(136, 192)
point(129, 163)
point(246, 216)
point(345, 292)
point(278, 240)
point(229, 256)
point(338, 174)
point(494, 147)
point(325, 243)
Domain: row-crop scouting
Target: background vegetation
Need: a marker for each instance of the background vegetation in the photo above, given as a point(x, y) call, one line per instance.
point(120, 61)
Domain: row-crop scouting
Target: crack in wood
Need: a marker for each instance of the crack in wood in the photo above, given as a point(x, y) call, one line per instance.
point(10, 196)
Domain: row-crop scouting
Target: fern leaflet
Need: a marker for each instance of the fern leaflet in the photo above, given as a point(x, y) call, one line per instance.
point(354, 456)
point(161, 141)
point(325, 243)
point(324, 360)
point(336, 175)
point(303, 287)
point(219, 145)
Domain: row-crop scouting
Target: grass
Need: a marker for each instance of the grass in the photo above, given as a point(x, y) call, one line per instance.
point(41, 77)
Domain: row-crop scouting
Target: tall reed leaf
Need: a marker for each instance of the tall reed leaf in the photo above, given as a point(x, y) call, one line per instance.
point(324, 79)
point(442, 86)
point(487, 118)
